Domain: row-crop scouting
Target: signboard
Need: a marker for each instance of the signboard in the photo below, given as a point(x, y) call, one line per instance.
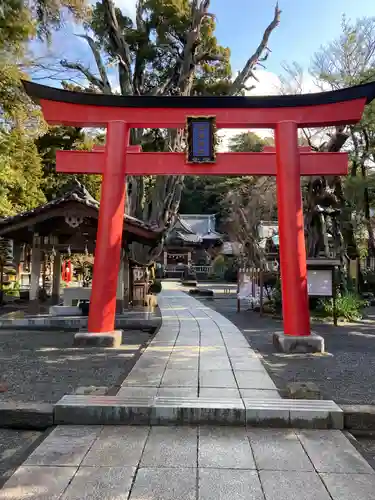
point(201, 141)
point(319, 282)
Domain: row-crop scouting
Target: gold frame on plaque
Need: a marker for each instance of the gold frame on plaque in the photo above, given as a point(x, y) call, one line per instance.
point(190, 158)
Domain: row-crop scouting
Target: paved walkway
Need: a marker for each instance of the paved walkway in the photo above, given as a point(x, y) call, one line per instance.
point(197, 352)
point(193, 462)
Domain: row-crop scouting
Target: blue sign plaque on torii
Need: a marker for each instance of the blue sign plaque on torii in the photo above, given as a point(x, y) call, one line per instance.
point(201, 140)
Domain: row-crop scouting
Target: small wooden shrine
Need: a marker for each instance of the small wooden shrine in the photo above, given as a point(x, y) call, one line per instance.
point(45, 236)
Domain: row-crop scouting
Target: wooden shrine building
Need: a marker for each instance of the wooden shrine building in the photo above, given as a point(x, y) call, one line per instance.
point(189, 242)
point(64, 226)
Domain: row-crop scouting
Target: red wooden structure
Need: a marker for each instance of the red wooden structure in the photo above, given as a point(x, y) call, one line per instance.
point(285, 114)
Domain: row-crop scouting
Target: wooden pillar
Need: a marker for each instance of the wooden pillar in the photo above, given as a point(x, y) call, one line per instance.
point(17, 252)
point(110, 229)
point(126, 282)
point(291, 232)
point(120, 286)
point(35, 272)
point(56, 279)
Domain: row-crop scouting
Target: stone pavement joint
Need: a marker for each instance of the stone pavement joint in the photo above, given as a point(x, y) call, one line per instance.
point(190, 463)
point(194, 462)
point(199, 368)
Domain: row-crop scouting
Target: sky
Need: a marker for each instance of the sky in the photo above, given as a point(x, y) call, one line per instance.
point(304, 27)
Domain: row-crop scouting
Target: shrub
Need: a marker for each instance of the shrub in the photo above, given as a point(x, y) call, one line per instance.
point(349, 306)
point(155, 287)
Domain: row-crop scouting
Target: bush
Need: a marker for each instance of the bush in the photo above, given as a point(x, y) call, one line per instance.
point(230, 275)
point(155, 288)
point(348, 306)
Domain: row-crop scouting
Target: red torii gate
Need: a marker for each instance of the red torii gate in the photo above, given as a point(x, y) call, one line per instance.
point(285, 114)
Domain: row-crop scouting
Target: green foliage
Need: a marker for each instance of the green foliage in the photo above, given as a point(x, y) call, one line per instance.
point(155, 287)
point(349, 306)
point(249, 142)
point(205, 194)
point(155, 48)
point(64, 138)
point(20, 173)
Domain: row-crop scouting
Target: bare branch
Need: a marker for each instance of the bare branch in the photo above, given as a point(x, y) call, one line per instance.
point(119, 46)
point(95, 81)
point(106, 86)
point(246, 73)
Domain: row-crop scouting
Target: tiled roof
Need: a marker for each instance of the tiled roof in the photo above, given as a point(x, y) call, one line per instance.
point(201, 226)
point(77, 193)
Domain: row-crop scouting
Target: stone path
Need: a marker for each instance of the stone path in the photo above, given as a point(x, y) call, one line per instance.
point(190, 463)
point(198, 369)
point(196, 352)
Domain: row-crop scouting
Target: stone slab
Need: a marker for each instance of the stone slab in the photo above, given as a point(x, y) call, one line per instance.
point(65, 311)
point(298, 344)
point(37, 483)
point(171, 447)
point(100, 483)
point(103, 411)
point(107, 339)
point(117, 447)
point(229, 484)
point(247, 364)
point(293, 413)
point(359, 417)
point(180, 378)
point(259, 394)
point(278, 450)
point(224, 447)
point(177, 392)
point(65, 446)
point(350, 486)
point(134, 392)
point(26, 415)
point(292, 485)
point(254, 380)
point(332, 452)
point(219, 393)
point(220, 379)
point(165, 484)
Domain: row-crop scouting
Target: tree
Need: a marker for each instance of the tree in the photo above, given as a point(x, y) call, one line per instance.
point(20, 173)
point(205, 194)
point(249, 141)
point(248, 204)
point(64, 138)
point(170, 49)
point(348, 60)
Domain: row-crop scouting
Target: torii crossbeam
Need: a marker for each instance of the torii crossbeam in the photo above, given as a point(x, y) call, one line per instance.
point(285, 114)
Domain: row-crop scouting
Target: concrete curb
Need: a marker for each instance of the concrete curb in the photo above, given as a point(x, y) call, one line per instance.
point(26, 416)
point(359, 420)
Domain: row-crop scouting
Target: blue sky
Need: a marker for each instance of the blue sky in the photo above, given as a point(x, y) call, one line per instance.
point(304, 27)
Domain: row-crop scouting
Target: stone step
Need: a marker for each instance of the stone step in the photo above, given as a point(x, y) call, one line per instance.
point(117, 410)
point(46, 322)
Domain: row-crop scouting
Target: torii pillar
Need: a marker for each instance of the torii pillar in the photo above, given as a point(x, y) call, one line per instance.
point(287, 168)
point(284, 114)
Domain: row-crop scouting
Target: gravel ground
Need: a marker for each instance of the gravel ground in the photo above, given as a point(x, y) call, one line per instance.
point(15, 447)
point(43, 366)
point(345, 374)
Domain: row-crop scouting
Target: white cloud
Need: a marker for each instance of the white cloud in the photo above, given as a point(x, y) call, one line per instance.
point(269, 84)
point(127, 7)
